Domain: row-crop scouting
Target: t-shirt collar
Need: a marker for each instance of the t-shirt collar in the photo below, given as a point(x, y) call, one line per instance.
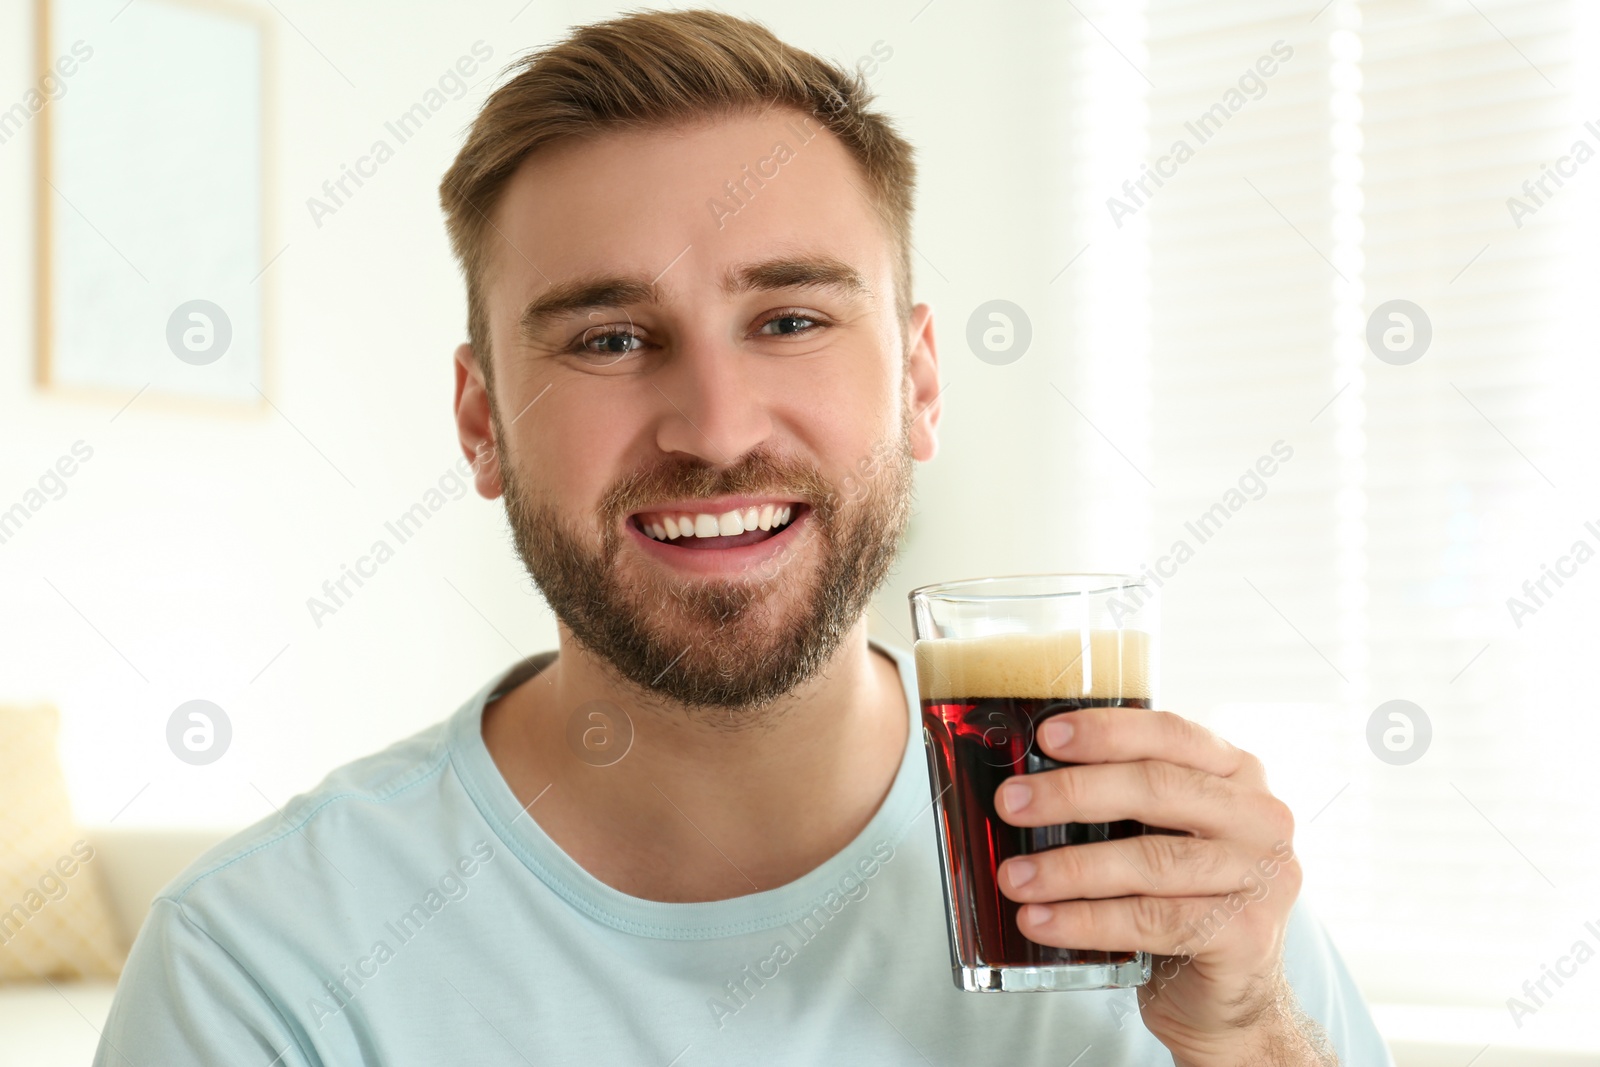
point(906, 802)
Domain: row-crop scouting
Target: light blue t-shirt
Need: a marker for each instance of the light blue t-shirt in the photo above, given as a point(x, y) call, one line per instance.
point(408, 911)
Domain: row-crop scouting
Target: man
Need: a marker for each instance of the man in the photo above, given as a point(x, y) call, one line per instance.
point(698, 832)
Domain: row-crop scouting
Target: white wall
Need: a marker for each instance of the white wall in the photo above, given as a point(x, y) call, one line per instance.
point(178, 564)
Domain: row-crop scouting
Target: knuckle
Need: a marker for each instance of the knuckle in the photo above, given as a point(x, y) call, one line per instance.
point(1292, 877)
point(1210, 786)
point(1170, 856)
point(1160, 778)
point(1279, 819)
point(1066, 866)
point(1175, 726)
point(1069, 788)
point(1167, 781)
point(1151, 918)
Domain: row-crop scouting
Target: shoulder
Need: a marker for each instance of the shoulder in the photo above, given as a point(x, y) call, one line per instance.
point(230, 943)
point(355, 808)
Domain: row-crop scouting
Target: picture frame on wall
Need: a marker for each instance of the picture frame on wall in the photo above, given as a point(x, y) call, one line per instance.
point(154, 233)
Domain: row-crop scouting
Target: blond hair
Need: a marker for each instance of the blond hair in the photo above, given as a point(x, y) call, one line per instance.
point(660, 68)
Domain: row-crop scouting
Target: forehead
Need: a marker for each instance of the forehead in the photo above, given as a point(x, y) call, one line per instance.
point(685, 203)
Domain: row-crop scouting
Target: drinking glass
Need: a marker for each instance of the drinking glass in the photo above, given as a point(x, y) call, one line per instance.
point(995, 658)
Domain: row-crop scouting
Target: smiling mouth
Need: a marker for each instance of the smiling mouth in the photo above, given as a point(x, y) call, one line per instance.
point(734, 528)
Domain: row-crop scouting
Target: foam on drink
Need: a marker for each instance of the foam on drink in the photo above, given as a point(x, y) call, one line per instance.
point(1064, 665)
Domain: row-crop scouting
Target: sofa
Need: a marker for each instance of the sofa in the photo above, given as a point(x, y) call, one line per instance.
point(57, 1024)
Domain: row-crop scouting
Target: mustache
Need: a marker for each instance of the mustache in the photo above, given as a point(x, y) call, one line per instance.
point(755, 474)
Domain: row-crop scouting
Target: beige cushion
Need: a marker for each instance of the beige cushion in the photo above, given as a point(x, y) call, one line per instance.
point(54, 922)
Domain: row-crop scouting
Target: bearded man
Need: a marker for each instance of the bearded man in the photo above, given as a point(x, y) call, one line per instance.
point(698, 831)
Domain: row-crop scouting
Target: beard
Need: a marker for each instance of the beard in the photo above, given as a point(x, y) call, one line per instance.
point(721, 643)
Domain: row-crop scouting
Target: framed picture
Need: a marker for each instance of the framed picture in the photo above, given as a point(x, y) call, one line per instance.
point(153, 237)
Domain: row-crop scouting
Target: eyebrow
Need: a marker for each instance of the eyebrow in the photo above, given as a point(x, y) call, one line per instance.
point(811, 272)
point(609, 291)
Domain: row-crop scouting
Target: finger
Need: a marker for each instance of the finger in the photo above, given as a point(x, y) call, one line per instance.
point(1156, 865)
point(1151, 791)
point(1166, 926)
point(1121, 735)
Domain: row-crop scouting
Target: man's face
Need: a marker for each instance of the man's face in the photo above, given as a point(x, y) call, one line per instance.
point(670, 357)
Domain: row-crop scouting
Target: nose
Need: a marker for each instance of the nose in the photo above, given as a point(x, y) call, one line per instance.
point(711, 406)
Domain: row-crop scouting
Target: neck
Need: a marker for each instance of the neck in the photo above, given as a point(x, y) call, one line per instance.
point(697, 809)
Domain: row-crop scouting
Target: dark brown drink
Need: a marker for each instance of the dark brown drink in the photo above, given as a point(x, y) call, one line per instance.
point(983, 700)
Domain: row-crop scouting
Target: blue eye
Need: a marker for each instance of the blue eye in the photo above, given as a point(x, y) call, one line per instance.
point(786, 324)
point(608, 342)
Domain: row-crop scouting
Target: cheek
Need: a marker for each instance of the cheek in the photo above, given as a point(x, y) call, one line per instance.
point(573, 445)
point(840, 405)
point(586, 434)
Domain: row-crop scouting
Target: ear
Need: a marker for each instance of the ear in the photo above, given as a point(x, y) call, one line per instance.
point(922, 378)
point(474, 427)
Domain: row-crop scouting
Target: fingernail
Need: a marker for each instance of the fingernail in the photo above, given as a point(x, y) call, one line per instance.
point(1036, 914)
point(1017, 796)
point(1057, 732)
point(1021, 872)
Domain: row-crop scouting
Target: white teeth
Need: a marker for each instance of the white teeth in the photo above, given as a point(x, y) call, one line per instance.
point(727, 524)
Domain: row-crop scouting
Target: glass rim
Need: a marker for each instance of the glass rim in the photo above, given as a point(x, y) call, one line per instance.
point(970, 589)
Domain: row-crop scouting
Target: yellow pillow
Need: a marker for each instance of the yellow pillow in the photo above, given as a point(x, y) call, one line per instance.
point(54, 922)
